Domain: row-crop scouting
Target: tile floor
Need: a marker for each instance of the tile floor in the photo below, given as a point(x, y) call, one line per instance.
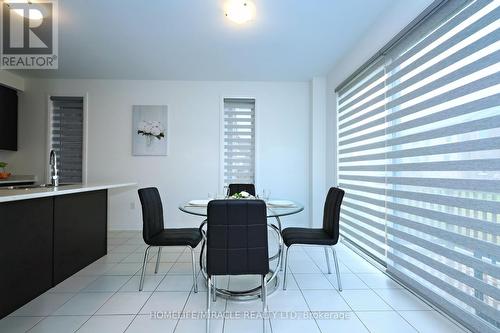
point(104, 297)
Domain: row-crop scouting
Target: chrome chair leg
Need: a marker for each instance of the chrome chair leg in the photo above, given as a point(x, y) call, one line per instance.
point(214, 289)
point(144, 262)
point(209, 286)
point(158, 260)
point(286, 268)
point(193, 262)
point(336, 268)
point(327, 260)
point(263, 296)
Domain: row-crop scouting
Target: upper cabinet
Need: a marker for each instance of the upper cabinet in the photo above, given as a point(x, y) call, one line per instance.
point(8, 118)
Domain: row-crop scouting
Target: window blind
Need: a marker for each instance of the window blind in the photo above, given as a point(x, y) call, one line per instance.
point(419, 157)
point(67, 137)
point(239, 140)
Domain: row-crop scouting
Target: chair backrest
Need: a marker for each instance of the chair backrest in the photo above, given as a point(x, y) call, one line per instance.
point(237, 237)
point(331, 213)
point(237, 188)
point(152, 212)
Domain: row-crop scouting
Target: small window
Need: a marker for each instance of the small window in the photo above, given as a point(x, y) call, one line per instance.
point(67, 137)
point(239, 140)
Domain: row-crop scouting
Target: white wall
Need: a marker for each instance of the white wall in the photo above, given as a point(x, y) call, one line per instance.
point(192, 168)
point(391, 22)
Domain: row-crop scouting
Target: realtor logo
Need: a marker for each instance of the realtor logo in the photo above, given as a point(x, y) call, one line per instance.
point(29, 34)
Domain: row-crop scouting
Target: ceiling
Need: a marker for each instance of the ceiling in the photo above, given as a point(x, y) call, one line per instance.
point(193, 40)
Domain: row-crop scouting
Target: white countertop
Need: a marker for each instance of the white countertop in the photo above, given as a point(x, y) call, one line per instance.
point(7, 195)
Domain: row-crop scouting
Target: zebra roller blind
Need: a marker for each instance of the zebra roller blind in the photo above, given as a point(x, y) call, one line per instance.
point(67, 137)
point(419, 157)
point(239, 140)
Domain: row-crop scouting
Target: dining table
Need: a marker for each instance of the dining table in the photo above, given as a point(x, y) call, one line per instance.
point(276, 209)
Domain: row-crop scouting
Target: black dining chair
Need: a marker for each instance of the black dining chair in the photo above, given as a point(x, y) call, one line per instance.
point(237, 188)
point(236, 243)
point(326, 237)
point(155, 235)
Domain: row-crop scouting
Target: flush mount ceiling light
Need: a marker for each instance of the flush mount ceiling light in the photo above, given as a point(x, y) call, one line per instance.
point(239, 11)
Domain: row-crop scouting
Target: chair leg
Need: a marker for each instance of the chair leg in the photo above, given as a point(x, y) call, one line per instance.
point(209, 286)
point(263, 296)
point(286, 268)
point(337, 268)
point(214, 289)
point(158, 260)
point(327, 260)
point(193, 262)
point(144, 262)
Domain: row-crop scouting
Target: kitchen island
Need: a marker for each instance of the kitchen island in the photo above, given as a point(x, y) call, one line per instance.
point(48, 234)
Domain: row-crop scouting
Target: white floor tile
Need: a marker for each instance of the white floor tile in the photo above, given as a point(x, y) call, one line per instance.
point(400, 299)
point(176, 283)
point(345, 322)
point(349, 281)
point(385, 322)
point(138, 258)
point(165, 301)
point(59, 324)
point(238, 308)
point(294, 326)
point(244, 282)
point(96, 268)
point(124, 269)
point(106, 324)
point(83, 304)
point(43, 305)
point(325, 300)
point(144, 323)
point(361, 267)
point(364, 300)
point(379, 281)
point(197, 303)
point(287, 300)
point(430, 322)
point(199, 325)
point(18, 324)
point(291, 284)
point(107, 283)
point(183, 268)
point(124, 303)
point(74, 284)
point(303, 266)
point(124, 249)
point(312, 281)
point(246, 326)
point(112, 258)
point(163, 268)
point(150, 283)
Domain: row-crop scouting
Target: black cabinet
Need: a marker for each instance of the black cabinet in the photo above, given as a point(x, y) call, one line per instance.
point(80, 227)
point(44, 241)
point(8, 118)
point(26, 251)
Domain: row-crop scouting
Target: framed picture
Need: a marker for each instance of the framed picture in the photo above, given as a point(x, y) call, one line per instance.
point(149, 130)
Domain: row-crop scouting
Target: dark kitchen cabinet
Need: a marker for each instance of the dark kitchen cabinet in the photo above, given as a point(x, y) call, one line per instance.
point(8, 118)
point(44, 241)
point(26, 251)
point(80, 227)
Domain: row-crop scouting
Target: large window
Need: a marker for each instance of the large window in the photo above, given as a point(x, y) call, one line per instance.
point(419, 158)
point(67, 137)
point(239, 140)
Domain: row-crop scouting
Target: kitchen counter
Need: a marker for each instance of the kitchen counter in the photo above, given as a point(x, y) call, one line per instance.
point(7, 195)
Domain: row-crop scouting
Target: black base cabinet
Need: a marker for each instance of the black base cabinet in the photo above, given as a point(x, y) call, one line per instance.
point(80, 226)
point(44, 241)
point(25, 251)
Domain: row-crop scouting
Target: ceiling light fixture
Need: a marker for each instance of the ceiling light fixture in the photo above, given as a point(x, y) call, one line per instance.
point(240, 11)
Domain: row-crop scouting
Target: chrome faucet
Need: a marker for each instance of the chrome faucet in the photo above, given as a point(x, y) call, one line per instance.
point(54, 172)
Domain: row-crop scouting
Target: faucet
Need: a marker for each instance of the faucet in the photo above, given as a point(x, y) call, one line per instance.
point(54, 172)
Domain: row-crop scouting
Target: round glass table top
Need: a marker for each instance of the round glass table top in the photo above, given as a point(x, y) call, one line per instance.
point(275, 208)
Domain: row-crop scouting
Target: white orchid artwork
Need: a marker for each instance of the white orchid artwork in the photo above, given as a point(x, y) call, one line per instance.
point(150, 130)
